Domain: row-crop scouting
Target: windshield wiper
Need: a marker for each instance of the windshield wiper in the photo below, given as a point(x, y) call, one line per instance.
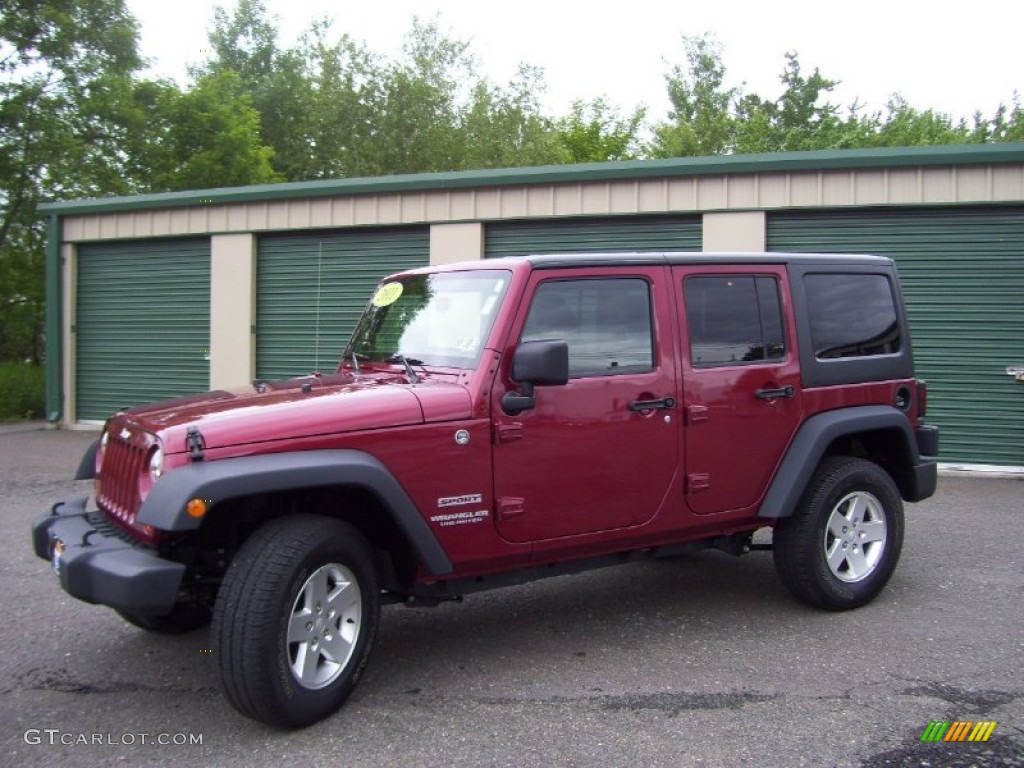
point(398, 357)
point(355, 362)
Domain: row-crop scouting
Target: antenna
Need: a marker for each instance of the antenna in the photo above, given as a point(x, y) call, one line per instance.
point(319, 260)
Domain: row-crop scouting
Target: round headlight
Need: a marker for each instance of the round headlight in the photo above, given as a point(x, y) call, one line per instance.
point(104, 439)
point(156, 462)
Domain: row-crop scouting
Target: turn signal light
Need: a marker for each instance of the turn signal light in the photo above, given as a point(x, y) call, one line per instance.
point(196, 507)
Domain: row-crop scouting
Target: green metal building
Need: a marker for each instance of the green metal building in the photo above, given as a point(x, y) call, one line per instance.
point(160, 295)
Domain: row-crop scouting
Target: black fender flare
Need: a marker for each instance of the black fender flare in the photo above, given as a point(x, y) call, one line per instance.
point(165, 506)
point(812, 440)
point(87, 466)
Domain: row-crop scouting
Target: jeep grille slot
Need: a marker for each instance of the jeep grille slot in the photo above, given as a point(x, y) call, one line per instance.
point(117, 492)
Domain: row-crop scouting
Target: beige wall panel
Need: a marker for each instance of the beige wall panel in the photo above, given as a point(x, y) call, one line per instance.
point(72, 229)
point(389, 209)
point(217, 217)
point(973, 183)
point(124, 225)
point(277, 215)
point(682, 194)
point(836, 189)
point(938, 185)
point(540, 200)
point(107, 226)
point(178, 222)
point(488, 203)
point(343, 211)
point(735, 231)
point(741, 191)
point(869, 187)
point(623, 197)
point(804, 189)
point(300, 215)
point(450, 243)
point(512, 203)
point(711, 193)
point(414, 207)
point(568, 200)
point(652, 196)
point(237, 217)
point(462, 205)
point(259, 216)
point(320, 212)
point(232, 309)
point(904, 185)
point(199, 218)
point(90, 227)
point(366, 210)
point(1008, 182)
point(773, 190)
point(595, 198)
point(161, 223)
point(436, 206)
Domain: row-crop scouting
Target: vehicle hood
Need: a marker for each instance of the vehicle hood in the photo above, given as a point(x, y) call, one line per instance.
point(304, 407)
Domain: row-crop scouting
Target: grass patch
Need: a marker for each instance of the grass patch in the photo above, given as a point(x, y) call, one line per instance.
point(22, 392)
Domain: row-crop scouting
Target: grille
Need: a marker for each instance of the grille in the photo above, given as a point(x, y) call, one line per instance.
point(125, 457)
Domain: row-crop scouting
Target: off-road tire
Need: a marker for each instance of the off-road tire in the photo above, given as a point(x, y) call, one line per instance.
point(851, 502)
point(266, 601)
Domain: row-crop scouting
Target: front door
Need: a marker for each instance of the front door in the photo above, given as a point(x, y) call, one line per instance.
point(587, 457)
point(742, 397)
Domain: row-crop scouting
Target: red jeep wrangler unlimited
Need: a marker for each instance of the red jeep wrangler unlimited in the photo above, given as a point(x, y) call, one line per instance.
point(494, 422)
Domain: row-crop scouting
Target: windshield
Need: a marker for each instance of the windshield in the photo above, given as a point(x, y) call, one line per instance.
point(441, 319)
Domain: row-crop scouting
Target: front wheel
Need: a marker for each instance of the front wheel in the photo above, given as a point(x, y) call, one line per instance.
point(841, 545)
point(295, 619)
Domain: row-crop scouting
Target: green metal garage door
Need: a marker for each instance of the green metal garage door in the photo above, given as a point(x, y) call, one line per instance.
point(620, 233)
point(142, 323)
point(341, 269)
point(963, 275)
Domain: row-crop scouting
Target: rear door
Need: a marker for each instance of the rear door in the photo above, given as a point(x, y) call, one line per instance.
point(741, 382)
point(585, 458)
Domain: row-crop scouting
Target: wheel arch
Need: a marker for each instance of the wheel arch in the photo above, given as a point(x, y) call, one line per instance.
point(876, 432)
point(226, 482)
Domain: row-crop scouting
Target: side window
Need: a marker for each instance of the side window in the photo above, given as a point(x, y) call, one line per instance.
point(733, 319)
point(606, 322)
point(851, 315)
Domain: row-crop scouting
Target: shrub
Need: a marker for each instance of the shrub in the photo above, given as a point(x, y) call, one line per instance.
point(22, 391)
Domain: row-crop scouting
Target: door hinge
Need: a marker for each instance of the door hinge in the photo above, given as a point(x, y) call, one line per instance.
point(511, 506)
point(508, 433)
point(697, 482)
point(695, 413)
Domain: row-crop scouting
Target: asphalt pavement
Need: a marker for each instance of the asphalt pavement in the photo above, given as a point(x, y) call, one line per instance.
point(703, 660)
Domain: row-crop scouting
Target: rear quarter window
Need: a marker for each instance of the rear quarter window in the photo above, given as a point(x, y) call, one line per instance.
point(852, 315)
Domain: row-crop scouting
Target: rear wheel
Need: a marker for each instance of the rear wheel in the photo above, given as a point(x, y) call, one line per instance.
point(841, 545)
point(295, 619)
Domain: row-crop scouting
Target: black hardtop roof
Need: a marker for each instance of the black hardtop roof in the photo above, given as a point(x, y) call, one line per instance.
point(555, 261)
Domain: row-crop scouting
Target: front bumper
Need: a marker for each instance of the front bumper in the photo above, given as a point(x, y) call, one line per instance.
point(98, 566)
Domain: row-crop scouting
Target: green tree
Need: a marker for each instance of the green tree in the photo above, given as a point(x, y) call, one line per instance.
point(60, 61)
point(701, 120)
point(505, 127)
point(205, 137)
point(597, 132)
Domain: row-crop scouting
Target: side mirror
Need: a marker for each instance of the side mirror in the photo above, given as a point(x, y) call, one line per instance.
point(542, 363)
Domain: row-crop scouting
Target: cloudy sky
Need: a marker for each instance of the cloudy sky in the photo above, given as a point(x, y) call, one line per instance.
point(953, 57)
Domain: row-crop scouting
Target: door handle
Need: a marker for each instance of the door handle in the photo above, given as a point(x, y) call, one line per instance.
point(647, 405)
point(772, 393)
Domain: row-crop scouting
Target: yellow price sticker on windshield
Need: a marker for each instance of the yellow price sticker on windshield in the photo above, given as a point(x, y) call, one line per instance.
point(387, 294)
